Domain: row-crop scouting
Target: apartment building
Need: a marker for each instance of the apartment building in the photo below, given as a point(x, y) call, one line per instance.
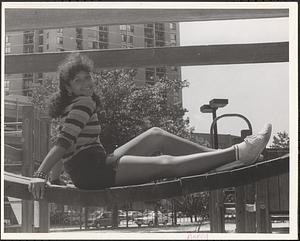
point(95, 37)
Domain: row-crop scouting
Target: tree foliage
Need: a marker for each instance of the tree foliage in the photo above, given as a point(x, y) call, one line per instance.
point(194, 204)
point(128, 110)
point(281, 141)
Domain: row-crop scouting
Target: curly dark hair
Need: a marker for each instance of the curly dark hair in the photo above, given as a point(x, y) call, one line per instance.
point(72, 65)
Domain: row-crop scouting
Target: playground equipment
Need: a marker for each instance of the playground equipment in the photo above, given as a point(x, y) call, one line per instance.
point(35, 126)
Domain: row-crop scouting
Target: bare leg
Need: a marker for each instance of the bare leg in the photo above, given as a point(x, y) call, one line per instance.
point(140, 169)
point(158, 140)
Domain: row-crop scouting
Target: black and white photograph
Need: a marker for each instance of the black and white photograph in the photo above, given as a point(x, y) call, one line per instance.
point(160, 120)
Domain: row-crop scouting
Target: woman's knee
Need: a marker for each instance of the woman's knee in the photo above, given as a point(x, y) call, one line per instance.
point(156, 132)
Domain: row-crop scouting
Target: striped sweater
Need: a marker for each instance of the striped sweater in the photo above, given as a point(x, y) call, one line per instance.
point(80, 127)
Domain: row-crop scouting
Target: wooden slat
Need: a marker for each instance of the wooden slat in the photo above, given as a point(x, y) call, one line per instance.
point(13, 139)
point(24, 19)
point(12, 153)
point(263, 222)
point(237, 177)
point(17, 186)
point(284, 192)
point(159, 56)
point(273, 189)
point(10, 111)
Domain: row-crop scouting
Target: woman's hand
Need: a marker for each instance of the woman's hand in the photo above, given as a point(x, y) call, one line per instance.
point(37, 187)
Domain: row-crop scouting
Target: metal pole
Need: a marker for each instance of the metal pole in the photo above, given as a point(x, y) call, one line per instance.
point(216, 143)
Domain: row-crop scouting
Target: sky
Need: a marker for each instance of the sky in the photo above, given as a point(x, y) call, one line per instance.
point(260, 92)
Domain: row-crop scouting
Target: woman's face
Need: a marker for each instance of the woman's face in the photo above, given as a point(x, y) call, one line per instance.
point(82, 84)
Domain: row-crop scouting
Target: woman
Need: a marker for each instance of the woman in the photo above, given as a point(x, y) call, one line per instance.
point(79, 148)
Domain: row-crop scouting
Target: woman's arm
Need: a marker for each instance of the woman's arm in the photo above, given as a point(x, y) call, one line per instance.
point(54, 155)
point(37, 185)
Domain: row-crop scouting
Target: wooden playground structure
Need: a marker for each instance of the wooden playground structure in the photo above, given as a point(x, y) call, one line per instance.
point(262, 189)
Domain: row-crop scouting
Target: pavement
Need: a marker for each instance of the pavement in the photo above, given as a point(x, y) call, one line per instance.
point(181, 228)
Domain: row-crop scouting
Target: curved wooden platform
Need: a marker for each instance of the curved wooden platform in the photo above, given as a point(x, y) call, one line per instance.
point(16, 186)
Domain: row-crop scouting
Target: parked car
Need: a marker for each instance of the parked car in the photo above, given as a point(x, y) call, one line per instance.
point(150, 219)
point(104, 220)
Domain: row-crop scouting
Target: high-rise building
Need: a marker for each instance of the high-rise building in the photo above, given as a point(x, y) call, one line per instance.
point(96, 37)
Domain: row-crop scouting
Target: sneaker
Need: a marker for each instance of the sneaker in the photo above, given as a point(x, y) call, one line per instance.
point(250, 149)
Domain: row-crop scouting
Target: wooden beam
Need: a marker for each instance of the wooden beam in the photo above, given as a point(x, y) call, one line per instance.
point(162, 56)
point(17, 186)
point(12, 153)
point(25, 19)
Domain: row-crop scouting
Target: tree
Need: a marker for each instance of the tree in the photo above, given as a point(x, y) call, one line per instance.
point(281, 141)
point(127, 110)
point(194, 205)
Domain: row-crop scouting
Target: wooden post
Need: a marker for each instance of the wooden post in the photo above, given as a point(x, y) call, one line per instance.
point(175, 213)
point(115, 216)
point(216, 211)
point(86, 217)
point(43, 135)
point(155, 215)
point(27, 167)
point(262, 207)
point(240, 209)
point(250, 215)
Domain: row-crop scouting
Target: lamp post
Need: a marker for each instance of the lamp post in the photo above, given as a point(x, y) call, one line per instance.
point(212, 107)
point(216, 197)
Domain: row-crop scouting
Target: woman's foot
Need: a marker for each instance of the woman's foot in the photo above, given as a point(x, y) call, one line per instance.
point(250, 149)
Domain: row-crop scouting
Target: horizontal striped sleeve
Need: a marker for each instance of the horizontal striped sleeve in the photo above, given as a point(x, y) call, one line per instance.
point(77, 118)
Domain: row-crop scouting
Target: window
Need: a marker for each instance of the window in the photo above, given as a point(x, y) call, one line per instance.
point(173, 36)
point(7, 39)
point(173, 39)
point(160, 36)
point(47, 34)
point(159, 27)
point(60, 40)
point(159, 43)
point(103, 28)
point(40, 49)
point(149, 25)
point(123, 27)
point(79, 44)
point(103, 45)
point(47, 46)
point(41, 40)
point(28, 49)
point(130, 28)
point(103, 37)
point(6, 84)
point(123, 38)
point(173, 26)
point(28, 37)
point(161, 69)
point(149, 43)
point(7, 48)
point(130, 40)
point(40, 31)
point(95, 45)
point(60, 30)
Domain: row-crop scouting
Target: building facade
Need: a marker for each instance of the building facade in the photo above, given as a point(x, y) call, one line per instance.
point(95, 37)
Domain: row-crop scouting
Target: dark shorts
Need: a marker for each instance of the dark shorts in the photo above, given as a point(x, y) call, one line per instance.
point(88, 169)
